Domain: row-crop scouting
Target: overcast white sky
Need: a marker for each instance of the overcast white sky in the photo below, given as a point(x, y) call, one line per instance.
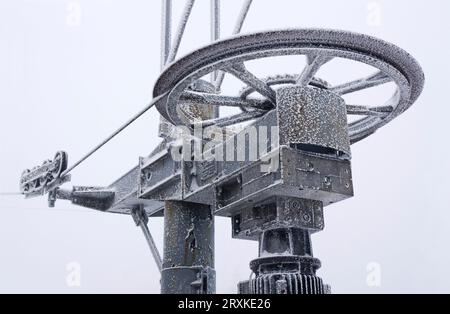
point(66, 83)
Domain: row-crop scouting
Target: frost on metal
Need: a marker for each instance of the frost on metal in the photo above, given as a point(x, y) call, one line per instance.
point(313, 119)
point(308, 151)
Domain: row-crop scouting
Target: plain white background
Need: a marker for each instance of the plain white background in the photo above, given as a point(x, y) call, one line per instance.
point(68, 80)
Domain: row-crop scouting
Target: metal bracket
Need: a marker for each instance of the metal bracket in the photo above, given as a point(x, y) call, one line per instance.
point(141, 219)
point(46, 177)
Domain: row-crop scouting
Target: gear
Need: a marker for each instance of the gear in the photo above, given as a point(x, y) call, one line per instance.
point(282, 80)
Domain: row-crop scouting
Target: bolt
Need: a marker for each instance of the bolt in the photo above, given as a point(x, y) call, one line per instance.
point(306, 218)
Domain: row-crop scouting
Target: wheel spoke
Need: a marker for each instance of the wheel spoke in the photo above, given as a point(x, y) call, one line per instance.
point(230, 120)
point(369, 111)
point(376, 79)
point(240, 72)
point(314, 63)
point(227, 101)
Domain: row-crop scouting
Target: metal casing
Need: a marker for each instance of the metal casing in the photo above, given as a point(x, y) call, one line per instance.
point(314, 119)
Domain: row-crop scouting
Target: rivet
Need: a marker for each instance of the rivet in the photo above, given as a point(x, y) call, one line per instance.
point(306, 218)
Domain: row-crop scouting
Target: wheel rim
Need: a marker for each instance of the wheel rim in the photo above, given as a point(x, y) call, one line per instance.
point(320, 47)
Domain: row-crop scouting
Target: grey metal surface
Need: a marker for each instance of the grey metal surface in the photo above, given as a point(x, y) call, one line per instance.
point(166, 30)
point(188, 248)
point(285, 265)
point(278, 212)
point(230, 186)
point(44, 178)
point(291, 79)
point(165, 128)
point(300, 174)
point(215, 28)
point(237, 29)
point(97, 198)
point(283, 79)
point(289, 283)
point(198, 111)
point(180, 31)
point(109, 138)
point(190, 235)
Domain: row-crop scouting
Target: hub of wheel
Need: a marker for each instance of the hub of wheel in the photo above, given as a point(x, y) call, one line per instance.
point(286, 157)
point(320, 47)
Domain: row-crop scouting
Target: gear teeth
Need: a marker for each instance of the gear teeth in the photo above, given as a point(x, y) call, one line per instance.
point(284, 79)
point(289, 283)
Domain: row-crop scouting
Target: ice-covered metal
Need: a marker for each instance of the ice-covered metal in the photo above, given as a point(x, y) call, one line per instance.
point(285, 265)
point(390, 63)
point(313, 119)
point(42, 179)
point(274, 192)
point(188, 262)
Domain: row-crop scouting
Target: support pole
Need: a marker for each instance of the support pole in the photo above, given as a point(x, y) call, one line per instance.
point(165, 128)
point(166, 31)
point(188, 260)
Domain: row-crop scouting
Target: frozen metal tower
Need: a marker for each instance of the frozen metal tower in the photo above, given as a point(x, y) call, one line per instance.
point(272, 167)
